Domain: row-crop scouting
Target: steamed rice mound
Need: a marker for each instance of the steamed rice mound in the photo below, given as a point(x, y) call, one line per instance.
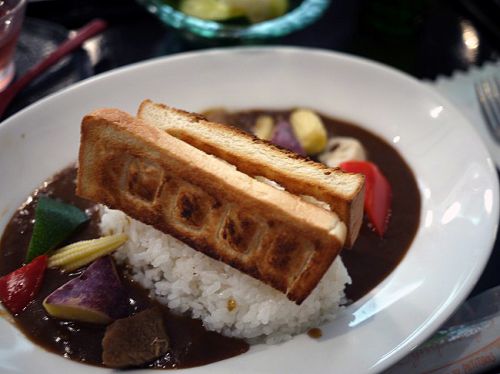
point(188, 281)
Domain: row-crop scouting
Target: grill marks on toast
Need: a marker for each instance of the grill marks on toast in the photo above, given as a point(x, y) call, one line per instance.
point(192, 207)
point(280, 250)
point(143, 179)
point(240, 232)
point(193, 211)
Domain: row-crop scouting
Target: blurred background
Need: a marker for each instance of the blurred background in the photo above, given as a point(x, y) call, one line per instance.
point(425, 38)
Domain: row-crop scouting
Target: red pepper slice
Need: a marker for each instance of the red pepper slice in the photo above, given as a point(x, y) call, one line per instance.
point(378, 194)
point(18, 288)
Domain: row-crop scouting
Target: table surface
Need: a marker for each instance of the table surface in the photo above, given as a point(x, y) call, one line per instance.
point(430, 43)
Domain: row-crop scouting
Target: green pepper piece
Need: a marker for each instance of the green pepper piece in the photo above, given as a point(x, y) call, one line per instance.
point(54, 222)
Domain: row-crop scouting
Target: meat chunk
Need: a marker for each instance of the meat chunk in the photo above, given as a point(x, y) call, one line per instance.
point(135, 340)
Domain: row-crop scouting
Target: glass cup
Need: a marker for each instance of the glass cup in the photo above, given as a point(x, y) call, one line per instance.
point(301, 14)
point(11, 20)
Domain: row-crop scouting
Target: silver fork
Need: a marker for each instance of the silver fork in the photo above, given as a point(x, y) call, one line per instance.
point(488, 93)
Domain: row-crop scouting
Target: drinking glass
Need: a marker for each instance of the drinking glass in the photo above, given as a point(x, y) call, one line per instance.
point(11, 20)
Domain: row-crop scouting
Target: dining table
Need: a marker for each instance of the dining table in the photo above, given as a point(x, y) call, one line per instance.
point(429, 40)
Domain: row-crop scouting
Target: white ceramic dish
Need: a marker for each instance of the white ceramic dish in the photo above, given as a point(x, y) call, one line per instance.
point(456, 177)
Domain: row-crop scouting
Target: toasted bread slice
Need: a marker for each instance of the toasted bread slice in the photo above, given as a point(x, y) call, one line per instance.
point(165, 182)
point(343, 192)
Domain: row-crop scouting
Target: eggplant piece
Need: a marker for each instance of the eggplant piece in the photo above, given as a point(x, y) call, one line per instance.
point(96, 296)
point(284, 137)
point(135, 340)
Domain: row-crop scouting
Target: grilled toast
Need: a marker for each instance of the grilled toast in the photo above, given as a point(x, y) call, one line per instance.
point(270, 234)
point(343, 192)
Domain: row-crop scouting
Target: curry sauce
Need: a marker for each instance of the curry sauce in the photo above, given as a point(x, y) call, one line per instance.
point(369, 261)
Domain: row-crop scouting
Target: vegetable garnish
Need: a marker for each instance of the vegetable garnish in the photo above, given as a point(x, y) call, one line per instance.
point(222, 10)
point(214, 10)
point(284, 137)
point(378, 194)
point(76, 255)
point(261, 10)
point(18, 288)
point(96, 296)
point(264, 126)
point(309, 130)
point(54, 222)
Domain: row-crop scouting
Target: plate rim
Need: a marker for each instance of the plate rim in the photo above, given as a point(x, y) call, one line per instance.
point(465, 289)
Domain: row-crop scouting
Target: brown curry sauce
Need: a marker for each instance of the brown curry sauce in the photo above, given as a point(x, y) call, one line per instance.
point(368, 262)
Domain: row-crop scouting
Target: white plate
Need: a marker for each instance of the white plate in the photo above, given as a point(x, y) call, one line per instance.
point(455, 175)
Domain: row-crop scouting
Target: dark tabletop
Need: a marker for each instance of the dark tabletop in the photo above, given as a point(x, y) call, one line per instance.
point(422, 38)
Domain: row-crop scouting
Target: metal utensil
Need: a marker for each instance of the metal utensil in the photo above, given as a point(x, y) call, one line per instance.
point(488, 94)
point(86, 32)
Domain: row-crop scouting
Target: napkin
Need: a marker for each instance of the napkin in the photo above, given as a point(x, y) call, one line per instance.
point(459, 89)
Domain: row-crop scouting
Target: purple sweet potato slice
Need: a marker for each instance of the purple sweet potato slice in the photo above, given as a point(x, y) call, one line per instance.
point(96, 296)
point(284, 137)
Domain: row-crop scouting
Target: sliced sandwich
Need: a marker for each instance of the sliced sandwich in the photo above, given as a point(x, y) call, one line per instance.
point(342, 192)
point(208, 202)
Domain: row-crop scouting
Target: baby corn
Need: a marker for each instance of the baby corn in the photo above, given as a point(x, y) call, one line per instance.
point(76, 255)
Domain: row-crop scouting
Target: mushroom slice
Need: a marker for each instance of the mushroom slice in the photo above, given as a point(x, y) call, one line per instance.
point(340, 149)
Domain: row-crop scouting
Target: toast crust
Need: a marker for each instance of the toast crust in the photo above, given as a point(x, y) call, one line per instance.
point(343, 192)
point(162, 181)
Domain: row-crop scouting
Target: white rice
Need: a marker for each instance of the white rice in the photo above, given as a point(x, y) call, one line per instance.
point(188, 281)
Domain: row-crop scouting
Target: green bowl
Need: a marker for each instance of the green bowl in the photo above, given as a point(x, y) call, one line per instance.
point(305, 13)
